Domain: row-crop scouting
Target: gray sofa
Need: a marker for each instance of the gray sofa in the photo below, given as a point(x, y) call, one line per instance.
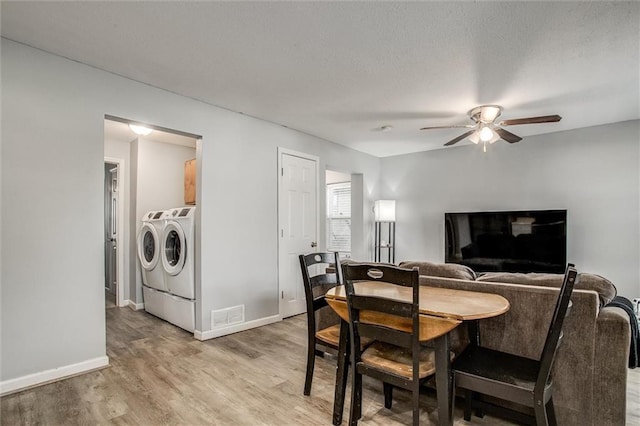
point(590, 371)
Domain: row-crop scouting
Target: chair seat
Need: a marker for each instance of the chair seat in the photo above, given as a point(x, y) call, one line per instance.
point(330, 335)
point(478, 369)
point(498, 366)
point(397, 360)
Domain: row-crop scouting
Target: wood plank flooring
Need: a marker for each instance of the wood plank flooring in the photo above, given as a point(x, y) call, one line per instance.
point(161, 375)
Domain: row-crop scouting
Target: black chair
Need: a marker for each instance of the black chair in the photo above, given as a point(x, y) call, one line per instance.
point(315, 288)
point(513, 378)
point(396, 356)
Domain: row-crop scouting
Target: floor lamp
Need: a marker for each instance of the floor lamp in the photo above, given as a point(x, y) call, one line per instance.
point(385, 213)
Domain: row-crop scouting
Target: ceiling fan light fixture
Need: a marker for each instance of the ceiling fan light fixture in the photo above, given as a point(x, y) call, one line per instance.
point(485, 129)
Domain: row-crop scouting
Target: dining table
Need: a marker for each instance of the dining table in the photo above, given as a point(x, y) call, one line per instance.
point(441, 311)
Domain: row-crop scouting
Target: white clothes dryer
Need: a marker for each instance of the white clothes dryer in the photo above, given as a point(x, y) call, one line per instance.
point(178, 251)
point(149, 249)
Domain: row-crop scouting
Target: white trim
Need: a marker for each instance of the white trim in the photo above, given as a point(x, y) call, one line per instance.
point(135, 306)
point(235, 328)
point(55, 374)
point(120, 162)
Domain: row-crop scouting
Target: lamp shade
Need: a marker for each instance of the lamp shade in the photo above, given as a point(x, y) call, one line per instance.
point(385, 210)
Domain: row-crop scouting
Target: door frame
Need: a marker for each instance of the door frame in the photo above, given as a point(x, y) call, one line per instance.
point(285, 151)
point(120, 176)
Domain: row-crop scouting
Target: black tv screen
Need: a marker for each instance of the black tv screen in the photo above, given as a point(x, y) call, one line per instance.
point(508, 241)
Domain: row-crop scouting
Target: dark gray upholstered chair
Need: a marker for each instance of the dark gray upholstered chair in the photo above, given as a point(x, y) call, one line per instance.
point(513, 378)
point(396, 356)
point(315, 288)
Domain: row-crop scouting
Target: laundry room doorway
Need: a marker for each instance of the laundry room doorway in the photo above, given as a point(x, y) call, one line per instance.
point(156, 172)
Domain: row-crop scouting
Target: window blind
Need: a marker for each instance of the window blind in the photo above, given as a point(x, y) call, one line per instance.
point(339, 217)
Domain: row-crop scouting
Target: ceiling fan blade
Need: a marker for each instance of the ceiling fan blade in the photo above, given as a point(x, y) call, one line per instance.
point(532, 120)
point(459, 138)
point(461, 126)
point(507, 136)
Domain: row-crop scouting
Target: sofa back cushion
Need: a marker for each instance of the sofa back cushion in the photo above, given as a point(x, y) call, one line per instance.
point(445, 270)
point(605, 288)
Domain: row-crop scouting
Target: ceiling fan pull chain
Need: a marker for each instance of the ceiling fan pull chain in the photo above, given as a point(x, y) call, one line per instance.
point(484, 147)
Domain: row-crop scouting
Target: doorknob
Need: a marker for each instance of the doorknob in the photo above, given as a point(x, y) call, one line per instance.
point(314, 244)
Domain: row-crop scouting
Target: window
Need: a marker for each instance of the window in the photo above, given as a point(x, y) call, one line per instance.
point(339, 218)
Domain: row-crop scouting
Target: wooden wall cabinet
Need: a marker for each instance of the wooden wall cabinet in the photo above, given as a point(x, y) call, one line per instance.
point(190, 182)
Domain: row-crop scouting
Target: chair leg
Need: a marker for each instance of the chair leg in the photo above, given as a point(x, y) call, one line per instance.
point(540, 411)
point(311, 359)
point(355, 411)
point(468, 399)
point(551, 413)
point(388, 395)
point(475, 396)
point(342, 373)
point(416, 403)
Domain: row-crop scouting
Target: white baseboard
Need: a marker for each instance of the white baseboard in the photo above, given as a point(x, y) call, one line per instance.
point(48, 376)
point(223, 331)
point(135, 306)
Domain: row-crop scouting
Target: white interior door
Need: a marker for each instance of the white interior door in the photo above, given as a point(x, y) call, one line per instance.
point(298, 226)
point(111, 232)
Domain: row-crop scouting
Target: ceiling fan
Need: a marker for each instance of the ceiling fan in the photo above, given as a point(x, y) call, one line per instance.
point(486, 129)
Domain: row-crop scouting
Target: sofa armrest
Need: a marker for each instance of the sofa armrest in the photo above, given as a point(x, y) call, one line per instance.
point(610, 366)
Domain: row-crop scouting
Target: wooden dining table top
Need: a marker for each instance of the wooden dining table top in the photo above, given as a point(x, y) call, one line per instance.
point(460, 305)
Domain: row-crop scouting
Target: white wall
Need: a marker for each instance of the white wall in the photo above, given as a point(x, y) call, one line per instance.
point(592, 172)
point(161, 175)
point(52, 243)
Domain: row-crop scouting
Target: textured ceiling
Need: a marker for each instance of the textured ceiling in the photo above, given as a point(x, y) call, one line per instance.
point(341, 70)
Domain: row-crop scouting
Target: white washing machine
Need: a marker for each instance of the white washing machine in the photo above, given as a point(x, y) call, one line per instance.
point(176, 302)
point(149, 249)
point(178, 252)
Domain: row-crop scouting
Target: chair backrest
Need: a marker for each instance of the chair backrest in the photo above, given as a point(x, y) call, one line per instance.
point(359, 304)
point(316, 286)
point(554, 335)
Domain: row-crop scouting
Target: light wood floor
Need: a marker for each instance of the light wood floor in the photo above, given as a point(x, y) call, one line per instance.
point(161, 375)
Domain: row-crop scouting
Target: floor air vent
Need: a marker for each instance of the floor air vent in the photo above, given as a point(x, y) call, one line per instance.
point(227, 316)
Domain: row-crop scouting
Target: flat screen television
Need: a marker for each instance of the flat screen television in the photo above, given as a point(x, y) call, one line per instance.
point(508, 241)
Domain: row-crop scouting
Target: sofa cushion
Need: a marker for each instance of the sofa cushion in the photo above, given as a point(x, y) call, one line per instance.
point(605, 288)
point(445, 270)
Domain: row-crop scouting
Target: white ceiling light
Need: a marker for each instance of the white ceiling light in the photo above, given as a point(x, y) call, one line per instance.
point(486, 134)
point(140, 130)
point(488, 113)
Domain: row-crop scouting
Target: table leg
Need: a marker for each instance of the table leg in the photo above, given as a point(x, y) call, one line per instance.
point(341, 373)
point(444, 382)
point(474, 332)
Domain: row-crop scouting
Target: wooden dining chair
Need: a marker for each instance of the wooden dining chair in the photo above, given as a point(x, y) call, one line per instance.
point(396, 356)
point(315, 287)
point(513, 378)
